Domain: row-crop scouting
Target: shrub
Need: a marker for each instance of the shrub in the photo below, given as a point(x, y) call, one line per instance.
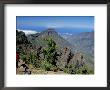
point(37, 62)
point(46, 65)
point(54, 68)
point(22, 56)
point(71, 69)
point(49, 52)
point(86, 69)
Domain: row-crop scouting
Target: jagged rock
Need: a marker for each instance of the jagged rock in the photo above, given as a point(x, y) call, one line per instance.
point(63, 59)
point(20, 62)
point(69, 58)
point(39, 53)
point(77, 60)
point(41, 56)
point(23, 68)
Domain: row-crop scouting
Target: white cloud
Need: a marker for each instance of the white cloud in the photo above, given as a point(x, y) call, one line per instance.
point(65, 33)
point(27, 32)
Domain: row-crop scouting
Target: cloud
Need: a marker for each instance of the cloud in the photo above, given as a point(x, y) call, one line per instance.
point(27, 32)
point(65, 33)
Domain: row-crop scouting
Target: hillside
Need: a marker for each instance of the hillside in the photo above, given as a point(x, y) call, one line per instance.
point(84, 42)
point(48, 51)
point(37, 39)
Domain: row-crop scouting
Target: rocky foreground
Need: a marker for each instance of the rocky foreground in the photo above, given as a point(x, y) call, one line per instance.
point(65, 58)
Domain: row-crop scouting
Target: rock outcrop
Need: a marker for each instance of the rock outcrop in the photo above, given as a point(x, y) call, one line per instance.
point(77, 60)
point(23, 68)
point(68, 58)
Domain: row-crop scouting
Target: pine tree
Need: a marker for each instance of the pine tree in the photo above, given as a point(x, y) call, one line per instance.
point(50, 53)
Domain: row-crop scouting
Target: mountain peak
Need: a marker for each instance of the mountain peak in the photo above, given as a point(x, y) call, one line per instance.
point(50, 31)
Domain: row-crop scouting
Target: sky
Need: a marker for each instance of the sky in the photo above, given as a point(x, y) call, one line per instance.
point(62, 24)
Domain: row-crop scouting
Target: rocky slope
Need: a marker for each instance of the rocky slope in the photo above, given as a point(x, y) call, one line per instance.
point(33, 51)
point(83, 42)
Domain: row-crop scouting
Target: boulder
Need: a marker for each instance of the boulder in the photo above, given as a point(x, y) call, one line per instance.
point(23, 68)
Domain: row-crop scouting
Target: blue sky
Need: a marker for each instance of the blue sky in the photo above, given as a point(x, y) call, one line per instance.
point(62, 24)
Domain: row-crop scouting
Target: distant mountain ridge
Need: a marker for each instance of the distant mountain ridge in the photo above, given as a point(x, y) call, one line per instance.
point(84, 42)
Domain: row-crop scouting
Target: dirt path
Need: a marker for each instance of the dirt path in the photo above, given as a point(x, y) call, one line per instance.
point(36, 71)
